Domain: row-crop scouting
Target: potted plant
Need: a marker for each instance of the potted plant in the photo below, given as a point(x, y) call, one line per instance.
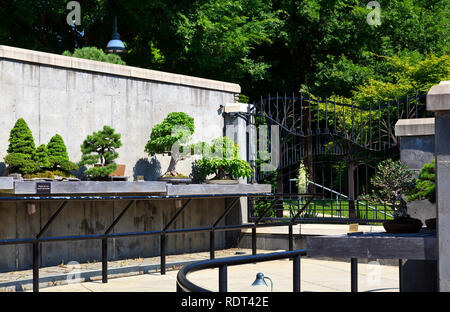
point(171, 137)
point(99, 150)
point(425, 188)
point(392, 182)
point(221, 158)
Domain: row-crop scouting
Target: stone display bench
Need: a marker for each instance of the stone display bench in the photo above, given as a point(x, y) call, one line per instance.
point(85, 213)
point(417, 273)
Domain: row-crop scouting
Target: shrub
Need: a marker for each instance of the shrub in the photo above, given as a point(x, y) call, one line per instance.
point(95, 54)
point(222, 159)
point(171, 136)
point(21, 139)
point(99, 149)
point(20, 163)
point(393, 179)
point(425, 187)
point(58, 157)
point(41, 157)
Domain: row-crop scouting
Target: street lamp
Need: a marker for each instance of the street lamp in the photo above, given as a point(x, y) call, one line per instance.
point(115, 45)
point(259, 281)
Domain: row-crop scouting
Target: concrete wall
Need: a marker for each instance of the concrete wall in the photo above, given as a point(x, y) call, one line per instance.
point(75, 97)
point(94, 218)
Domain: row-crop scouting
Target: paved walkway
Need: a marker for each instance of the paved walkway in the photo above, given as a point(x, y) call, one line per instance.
point(317, 276)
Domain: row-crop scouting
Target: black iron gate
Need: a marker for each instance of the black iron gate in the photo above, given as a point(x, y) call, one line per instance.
point(326, 146)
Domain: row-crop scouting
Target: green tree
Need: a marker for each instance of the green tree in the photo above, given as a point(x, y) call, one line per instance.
point(425, 184)
point(221, 158)
point(57, 154)
point(21, 139)
point(41, 157)
point(95, 54)
point(171, 136)
point(99, 149)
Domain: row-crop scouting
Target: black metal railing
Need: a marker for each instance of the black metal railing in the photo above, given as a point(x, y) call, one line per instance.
point(184, 285)
point(104, 237)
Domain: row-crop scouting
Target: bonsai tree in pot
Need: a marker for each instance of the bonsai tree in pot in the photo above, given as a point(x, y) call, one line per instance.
point(392, 182)
point(58, 158)
point(171, 137)
point(99, 149)
point(221, 158)
point(21, 150)
point(425, 188)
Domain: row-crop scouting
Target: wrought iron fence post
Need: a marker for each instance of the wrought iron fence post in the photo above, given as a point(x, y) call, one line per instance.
point(254, 240)
point(354, 274)
point(212, 248)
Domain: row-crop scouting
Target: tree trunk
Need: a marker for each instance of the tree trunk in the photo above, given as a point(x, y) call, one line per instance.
point(171, 170)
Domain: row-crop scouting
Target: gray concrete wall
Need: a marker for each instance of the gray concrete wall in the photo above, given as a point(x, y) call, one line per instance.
point(75, 97)
point(94, 218)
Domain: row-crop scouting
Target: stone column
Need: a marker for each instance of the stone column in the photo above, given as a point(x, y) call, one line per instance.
point(438, 101)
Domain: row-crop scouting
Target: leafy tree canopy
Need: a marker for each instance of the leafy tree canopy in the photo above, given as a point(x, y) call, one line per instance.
point(95, 54)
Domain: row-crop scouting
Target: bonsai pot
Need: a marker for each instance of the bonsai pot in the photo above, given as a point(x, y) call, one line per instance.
point(222, 182)
point(402, 226)
point(431, 223)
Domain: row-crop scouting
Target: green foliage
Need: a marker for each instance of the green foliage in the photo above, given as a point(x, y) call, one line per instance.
point(99, 149)
point(393, 179)
point(20, 163)
point(58, 157)
point(176, 127)
point(425, 184)
point(95, 54)
point(222, 159)
point(41, 157)
point(21, 139)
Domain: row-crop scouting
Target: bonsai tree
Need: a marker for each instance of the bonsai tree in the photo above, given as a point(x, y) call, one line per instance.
point(21, 149)
point(170, 137)
point(425, 184)
point(41, 157)
point(58, 157)
point(392, 181)
point(99, 149)
point(221, 158)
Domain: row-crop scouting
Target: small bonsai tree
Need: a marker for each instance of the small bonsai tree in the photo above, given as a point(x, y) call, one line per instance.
point(425, 187)
point(21, 149)
point(100, 149)
point(95, 54)
point(221, 158)
point(170, 137)
point(41, 157)
point(58, 158)
point(392, 181)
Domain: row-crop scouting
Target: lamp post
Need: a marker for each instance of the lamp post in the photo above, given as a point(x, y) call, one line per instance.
point(115, 45)
point(259, 281)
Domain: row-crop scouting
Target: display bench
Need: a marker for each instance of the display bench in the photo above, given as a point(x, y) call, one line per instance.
point(417, 254)
point(92, 220)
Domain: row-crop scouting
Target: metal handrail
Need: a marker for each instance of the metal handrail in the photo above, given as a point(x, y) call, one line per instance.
point(184, 285)
point(39, 239)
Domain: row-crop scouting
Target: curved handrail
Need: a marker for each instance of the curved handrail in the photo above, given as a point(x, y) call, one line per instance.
point(187, 286)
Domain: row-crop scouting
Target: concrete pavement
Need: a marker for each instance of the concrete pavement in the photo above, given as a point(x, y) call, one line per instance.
point(317, 276)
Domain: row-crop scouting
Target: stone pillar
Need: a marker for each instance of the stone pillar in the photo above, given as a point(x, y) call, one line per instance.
point(416, 139)
point(438, 101)
point(236, 129)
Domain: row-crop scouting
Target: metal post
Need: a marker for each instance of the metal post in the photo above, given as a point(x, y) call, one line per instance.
point(163, 254)
point(354, 274)
point(254, 240)
point(212, 248)
point(223, 278)
point(296, 273)
point(36, 267)
point(291, 238)
point(400, 275)
point(105, 260)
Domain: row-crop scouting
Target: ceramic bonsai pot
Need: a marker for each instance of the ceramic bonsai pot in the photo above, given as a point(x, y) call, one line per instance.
point(402, 226)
